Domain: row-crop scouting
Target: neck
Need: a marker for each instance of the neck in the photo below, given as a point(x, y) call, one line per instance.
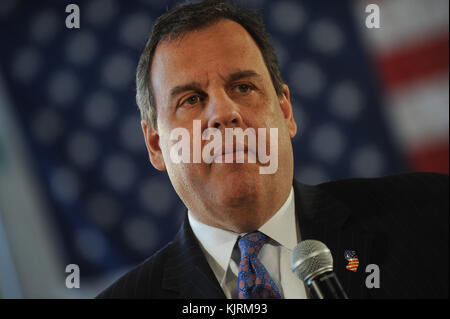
point(247, 215)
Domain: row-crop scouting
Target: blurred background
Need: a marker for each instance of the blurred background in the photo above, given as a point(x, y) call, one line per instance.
point(76, 186)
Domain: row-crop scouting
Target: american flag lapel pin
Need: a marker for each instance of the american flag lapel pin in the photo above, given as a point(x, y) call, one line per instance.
point(352, 259)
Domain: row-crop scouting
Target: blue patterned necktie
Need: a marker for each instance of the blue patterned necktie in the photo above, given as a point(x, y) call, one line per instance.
point(253, 279)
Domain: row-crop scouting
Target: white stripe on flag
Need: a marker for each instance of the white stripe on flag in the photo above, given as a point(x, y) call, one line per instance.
point(420, 112)
point(402, 22)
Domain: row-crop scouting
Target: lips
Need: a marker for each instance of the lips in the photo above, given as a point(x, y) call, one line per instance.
point(238, 150)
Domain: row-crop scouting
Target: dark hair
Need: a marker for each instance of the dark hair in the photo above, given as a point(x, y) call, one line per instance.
point(193, 16)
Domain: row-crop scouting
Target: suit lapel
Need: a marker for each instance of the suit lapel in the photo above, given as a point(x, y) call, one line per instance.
point(188, 272)
point(322, 217)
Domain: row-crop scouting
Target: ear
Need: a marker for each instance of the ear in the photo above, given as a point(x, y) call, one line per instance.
point(151, 137)
point(286, 108)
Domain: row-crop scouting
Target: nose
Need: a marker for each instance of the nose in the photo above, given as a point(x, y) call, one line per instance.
point(223, 112)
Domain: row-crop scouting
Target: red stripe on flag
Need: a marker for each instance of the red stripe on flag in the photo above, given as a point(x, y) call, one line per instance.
point(431, 158)
point(424, 59)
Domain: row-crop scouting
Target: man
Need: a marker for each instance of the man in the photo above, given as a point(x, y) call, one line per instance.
point(213, 63)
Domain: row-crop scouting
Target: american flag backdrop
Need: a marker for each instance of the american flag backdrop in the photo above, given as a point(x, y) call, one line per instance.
point(368, 102)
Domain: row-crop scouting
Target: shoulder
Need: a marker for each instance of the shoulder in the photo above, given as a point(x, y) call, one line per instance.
point(414, 203)
point(143, 281)
point(418, 189)
point(409, 181)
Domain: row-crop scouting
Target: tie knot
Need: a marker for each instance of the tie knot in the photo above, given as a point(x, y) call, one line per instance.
point(251, 244)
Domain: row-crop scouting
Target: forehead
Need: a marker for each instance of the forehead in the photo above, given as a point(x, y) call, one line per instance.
point(219, 49)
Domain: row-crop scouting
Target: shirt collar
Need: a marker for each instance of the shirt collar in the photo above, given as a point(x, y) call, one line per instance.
point(282, 227)
point(219, 243)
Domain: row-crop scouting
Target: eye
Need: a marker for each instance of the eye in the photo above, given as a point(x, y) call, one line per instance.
point(192, 100)
point(243, 88)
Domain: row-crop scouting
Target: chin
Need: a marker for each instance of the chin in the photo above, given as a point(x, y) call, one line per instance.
point(236, 191)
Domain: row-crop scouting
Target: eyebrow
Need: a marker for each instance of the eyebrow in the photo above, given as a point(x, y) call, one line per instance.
point(242, 74)
point(196, 86)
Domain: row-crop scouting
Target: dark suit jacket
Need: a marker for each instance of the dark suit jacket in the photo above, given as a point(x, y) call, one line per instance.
point(399, 223)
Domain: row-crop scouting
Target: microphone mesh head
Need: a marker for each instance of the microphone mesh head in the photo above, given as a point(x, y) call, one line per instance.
point(311, 257)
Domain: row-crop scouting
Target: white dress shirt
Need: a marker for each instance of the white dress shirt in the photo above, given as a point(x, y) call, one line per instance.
point(223, 256)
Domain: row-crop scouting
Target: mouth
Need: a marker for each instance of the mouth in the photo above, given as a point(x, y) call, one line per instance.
point(235, 153)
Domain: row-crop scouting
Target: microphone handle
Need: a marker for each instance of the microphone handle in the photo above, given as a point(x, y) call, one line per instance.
point(326, 286)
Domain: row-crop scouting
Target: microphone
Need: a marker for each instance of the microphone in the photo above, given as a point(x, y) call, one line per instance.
point(312, 262)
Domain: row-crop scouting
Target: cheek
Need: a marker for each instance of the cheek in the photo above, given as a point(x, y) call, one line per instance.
point(166, 145)
point(274, 118)
point(271, 116)
point(178, 170)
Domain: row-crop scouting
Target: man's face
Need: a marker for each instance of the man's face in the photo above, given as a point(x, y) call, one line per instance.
point(217, 75)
